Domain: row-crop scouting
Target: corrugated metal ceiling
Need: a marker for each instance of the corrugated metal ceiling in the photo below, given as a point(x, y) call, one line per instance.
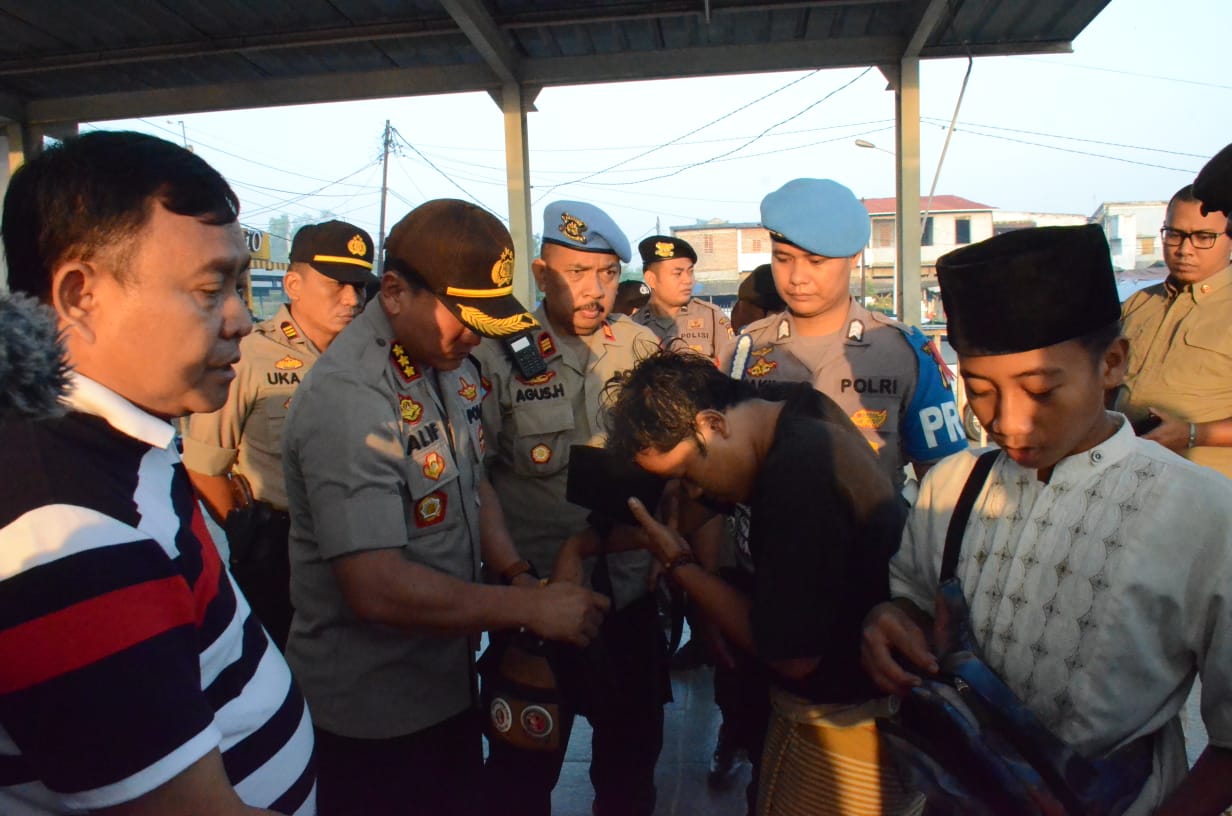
point(69, 61)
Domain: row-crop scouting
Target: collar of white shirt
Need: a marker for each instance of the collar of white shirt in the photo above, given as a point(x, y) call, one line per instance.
point(90, 397)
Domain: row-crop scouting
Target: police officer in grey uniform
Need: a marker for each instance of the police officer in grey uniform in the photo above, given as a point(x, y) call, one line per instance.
point(391, 517)
point(532, 421)
point(673, 312)
point(886, 376)
point(234, 455)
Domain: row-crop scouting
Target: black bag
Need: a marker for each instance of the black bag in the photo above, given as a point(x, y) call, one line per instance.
point(972, 747)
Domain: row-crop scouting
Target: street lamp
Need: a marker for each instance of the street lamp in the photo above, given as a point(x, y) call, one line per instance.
point(865, 143)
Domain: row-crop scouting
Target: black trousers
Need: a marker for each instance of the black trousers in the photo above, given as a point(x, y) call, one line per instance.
point(434, 772)
point(620, 686)
point(260, 563)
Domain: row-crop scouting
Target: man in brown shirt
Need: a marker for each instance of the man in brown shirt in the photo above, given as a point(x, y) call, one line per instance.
point(1180, 349)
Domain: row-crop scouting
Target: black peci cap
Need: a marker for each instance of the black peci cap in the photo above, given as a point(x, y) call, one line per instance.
point(1028, 289)
point(1213, 186)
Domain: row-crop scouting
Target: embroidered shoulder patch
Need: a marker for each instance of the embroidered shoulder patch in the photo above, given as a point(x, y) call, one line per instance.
point(430, 509)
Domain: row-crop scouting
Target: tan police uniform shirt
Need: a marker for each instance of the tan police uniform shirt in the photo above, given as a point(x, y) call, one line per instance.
point(381, 453)
point(700, 325)
point(532, 423)
point(246, 433)
point(1180, 357)
point(867, 367)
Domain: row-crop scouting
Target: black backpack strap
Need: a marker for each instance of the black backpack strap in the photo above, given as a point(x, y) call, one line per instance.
point(962, 512)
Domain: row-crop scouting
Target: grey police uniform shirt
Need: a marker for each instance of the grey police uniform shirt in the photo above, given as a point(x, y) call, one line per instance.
point(246, 433)
point(700, 325)
point(869, 369)
point(531, 424)
point(381, 453)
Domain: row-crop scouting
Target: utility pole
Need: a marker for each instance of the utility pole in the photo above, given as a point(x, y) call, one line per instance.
point(379, 266)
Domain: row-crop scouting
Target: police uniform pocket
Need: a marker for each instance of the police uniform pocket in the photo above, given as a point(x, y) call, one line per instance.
point(263, 427)
point(1205, 356)
point(878, 418)
point(543, 427)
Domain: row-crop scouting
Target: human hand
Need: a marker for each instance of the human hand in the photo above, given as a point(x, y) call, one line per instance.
point(889, 629)
point(662, 539)
point(1171, 432)
point(566, 612)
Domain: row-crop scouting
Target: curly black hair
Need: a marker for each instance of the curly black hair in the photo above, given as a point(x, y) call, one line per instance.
point(655, 405)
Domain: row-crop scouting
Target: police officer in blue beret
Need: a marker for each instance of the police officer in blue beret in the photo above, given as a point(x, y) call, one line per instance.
point(887, 376)
point(678, 318)
point(531, 423)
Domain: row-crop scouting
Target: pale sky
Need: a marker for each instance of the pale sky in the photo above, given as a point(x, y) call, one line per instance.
point(1148, 90)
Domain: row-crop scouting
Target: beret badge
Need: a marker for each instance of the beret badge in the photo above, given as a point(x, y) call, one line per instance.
point(573, 228)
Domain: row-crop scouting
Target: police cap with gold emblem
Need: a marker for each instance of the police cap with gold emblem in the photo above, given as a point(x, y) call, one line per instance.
point(585, 227)
point(464, 255)
point(1028, 289)
point(817, 215)
point(336, 249)
point(664, 248)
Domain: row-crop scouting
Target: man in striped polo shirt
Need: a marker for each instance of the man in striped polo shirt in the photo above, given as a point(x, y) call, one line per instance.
point(132, 672)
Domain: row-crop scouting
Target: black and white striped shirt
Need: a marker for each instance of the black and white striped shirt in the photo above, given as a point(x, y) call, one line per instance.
point(126, 652)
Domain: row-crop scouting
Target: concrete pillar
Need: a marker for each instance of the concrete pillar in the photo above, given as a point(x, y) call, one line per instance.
point(20, 142)
point(515, 101)
point(12, 141)
point(907, 151)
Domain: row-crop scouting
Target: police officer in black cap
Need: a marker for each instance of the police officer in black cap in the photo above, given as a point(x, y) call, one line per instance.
point(673, 312)
point(392, 517)
point(234, 455)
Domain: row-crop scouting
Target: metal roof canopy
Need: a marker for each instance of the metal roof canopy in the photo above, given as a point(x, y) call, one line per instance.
point(74, 60)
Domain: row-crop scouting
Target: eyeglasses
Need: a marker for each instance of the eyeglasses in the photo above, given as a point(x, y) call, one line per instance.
point(1199, 240)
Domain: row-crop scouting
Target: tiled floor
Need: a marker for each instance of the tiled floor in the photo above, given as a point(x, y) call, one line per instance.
point(691, 723)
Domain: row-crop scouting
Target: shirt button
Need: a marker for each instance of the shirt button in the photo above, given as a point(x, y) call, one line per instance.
point(1206, 287)
point(380, 342)
point(1096, 457)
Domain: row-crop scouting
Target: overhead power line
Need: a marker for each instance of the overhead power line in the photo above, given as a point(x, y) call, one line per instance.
point(1183, 81)
point(681, 137)
point(1189, 170)
point(934, 120)
point(750, 141)
point(444, 175)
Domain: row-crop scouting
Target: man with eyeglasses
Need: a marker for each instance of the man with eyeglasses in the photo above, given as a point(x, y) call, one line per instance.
point(1179, 378)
